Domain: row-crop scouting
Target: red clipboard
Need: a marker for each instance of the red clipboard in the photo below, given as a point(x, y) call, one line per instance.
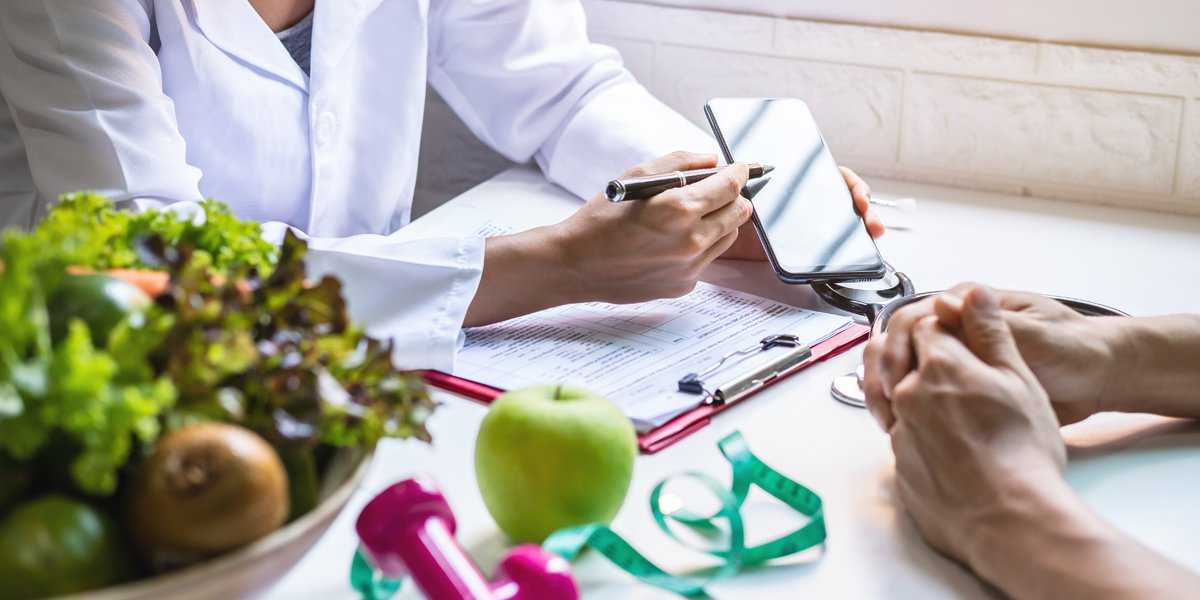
point(681, 426)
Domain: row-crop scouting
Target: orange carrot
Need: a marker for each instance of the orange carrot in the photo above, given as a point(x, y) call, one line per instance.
point(154, 283)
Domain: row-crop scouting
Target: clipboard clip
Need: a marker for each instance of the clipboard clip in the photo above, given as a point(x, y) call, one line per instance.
point(694, 383)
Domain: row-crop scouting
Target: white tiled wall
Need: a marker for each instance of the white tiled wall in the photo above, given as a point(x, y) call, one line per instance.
point(1189, 173)
point(1079, 123)
point(1092, 124)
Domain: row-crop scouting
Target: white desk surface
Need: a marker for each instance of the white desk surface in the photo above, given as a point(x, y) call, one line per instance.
point(1138, 471)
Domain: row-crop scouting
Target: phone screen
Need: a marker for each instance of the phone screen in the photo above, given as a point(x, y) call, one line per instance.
point(804, 210)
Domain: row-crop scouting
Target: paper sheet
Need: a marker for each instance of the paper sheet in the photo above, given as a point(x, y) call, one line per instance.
point(635, 354)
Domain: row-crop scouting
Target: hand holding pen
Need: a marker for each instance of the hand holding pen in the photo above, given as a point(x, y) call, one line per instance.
point(617, 252)
point(648, 186)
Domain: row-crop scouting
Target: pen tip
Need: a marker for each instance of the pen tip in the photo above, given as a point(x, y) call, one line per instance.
point(767, 169)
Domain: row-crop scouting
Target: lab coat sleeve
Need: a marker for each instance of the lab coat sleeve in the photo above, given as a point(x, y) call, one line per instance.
point(85, 90)
point(526, 80)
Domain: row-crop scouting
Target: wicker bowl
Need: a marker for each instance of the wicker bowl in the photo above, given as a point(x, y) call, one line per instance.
point(251, 570)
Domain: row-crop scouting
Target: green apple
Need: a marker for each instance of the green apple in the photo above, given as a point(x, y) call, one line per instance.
point(549, 457)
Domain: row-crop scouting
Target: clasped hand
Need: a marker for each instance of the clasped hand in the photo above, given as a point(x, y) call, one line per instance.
point(972, 428)
point(972, 386)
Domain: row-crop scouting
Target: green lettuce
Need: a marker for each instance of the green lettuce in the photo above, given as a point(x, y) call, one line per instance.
point(240, 336)
point(89, 396)
point(87, 230)
point(280, 355)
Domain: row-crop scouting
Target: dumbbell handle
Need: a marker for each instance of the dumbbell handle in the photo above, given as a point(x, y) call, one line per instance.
point(439, 566)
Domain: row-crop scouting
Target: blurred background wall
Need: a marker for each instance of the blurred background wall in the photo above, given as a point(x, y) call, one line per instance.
point(1095, 101)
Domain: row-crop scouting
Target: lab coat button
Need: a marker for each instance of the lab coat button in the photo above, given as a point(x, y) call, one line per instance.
point(326, 127)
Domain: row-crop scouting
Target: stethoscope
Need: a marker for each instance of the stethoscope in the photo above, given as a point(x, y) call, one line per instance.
point(877, 300)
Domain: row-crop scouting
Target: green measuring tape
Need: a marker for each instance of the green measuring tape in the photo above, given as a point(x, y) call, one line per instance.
point(368, 582)
point(748, 470)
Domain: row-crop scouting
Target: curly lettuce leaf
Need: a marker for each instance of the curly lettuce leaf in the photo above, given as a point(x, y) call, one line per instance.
point(87, 230)
point(100, 398)
point(280, 355)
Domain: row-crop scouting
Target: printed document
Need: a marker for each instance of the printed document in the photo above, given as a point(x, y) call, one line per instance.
point(632, 354)
point(635, 354)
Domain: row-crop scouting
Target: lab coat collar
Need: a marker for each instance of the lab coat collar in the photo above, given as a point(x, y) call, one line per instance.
point(335, 25)
point(235, 27)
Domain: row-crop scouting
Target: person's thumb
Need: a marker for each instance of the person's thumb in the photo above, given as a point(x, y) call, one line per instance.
point(986, 332)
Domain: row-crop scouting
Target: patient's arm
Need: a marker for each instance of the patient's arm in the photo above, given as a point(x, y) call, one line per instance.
point(1051, 545)
point(1159, 362)
point(979, 460)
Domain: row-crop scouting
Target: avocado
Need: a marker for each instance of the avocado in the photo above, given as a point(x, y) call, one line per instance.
point(100, 301)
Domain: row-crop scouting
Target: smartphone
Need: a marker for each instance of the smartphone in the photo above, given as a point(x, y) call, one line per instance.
point(804, 214)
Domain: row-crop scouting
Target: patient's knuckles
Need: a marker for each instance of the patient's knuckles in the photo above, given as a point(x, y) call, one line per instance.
point(936, 364)
point(895, 356)
point(905, 396)
point(873, 354)
point(908, 315)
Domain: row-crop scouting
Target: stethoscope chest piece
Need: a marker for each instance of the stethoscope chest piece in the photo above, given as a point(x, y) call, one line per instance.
point(848, 389)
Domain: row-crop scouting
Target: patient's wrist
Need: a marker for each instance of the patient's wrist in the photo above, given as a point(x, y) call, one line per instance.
point(1120, 392)
point(1024, 546)
point(1155, 368)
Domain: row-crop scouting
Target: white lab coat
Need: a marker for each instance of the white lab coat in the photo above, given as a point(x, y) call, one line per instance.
point(185, 99)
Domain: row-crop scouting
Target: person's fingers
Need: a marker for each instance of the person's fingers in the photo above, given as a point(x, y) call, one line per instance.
point(896, 357)
point(722, 189)
point(948, 305)
point(860, 191)
point(675, 161)
point(877, 402)
point(723, 244)
point(938, 352)
point(905, 396)
point(948, 308)
point(986, 332)
point(1018, 301)
point(718, 223)
point(874, 226)
point(748, 246)
point(1009, 299)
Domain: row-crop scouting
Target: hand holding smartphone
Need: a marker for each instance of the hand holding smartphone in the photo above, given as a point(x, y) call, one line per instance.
point(803, 214)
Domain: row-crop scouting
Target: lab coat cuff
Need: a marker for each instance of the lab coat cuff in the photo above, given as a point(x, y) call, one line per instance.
point(445, 333)
point(617, 128)
point(414, 293)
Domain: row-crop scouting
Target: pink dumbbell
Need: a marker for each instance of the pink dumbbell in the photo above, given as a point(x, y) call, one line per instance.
point(408, 529)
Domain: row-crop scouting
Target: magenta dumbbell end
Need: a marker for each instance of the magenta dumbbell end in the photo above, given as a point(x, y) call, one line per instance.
point(530, 573)
point(388, 526)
